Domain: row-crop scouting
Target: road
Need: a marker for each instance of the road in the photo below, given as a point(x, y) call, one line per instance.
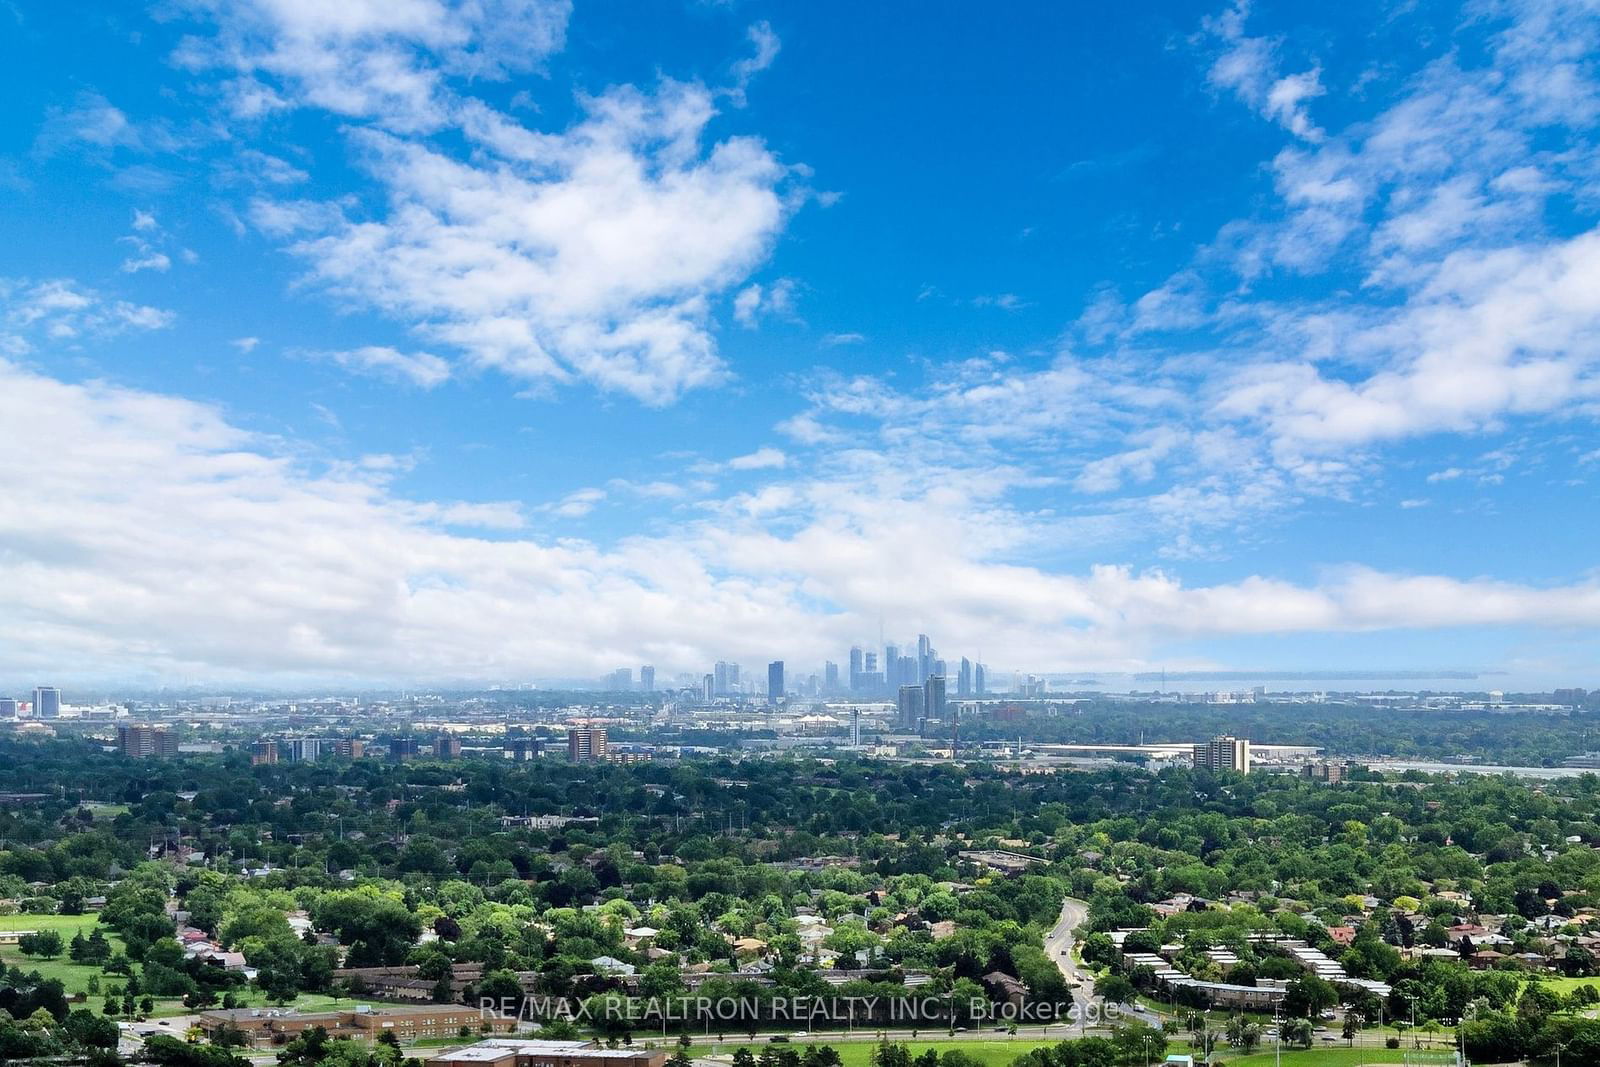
point(1058, 946)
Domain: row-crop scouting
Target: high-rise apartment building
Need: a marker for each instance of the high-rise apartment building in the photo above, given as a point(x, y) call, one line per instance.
point(47, 702)
point(830, 677)
point(402, 749)
point(350, 748)
point(520, 749)
point(964, 679)
point(447, 746)
point(647, 678)
point(264, 752)
point(910, 707)
point(933, 699)
point(9, 707)
point(1224, 753)
point(979, 680)
point(891, 667)
point(586, 744)
point(775, 682)
point(306, 749)
point(142, 741)
point(857, 668)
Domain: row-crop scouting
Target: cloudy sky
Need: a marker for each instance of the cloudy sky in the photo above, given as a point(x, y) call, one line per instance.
point(496, 340)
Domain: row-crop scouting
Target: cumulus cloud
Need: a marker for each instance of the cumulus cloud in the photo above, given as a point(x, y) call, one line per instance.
point(592, 254)
point(391, 61)
point(597, 253)
point(171, 530)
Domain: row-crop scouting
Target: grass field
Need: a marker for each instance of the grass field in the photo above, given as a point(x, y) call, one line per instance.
point(74, 976)
point(1318, 1057)
point(996, 1053)
point(1567, 985)
point(67, 925)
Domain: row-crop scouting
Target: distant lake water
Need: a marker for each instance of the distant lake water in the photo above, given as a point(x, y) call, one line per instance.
point(1476, 768)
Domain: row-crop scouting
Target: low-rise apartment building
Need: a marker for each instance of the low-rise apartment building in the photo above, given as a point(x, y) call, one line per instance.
point(271, 1026)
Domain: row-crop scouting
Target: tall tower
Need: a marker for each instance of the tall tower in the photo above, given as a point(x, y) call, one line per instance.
point(775, 682)
point(934, 698)
point(964, 679)
point(647, 678)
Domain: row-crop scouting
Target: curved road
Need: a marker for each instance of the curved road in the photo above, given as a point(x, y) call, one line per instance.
point(1058, 946)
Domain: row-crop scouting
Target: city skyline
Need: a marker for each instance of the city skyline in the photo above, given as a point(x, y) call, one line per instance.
point(1230, 337)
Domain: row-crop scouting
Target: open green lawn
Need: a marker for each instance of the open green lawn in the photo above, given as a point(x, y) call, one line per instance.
point(74, 976)
point(1565, 986)
point(106, 811)
point(997, 1053)
point(66, 924)
point(1317, 1057)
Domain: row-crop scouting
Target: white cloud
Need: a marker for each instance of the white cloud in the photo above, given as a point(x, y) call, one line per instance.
point(1248, 67)
point(1003, 301)
point(760, 459)
point(60, 312)
point(1492, 335)
point(93, 122)
point(592, 254)
point(422, 369)
point(766, 46)
point(245, 344)
point(156, 261)
point(171, 530)
point(834, 340)
point(755, 301)
point(578, 503)
point(388, 60)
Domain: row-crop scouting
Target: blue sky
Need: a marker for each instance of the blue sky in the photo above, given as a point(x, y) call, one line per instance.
point(422, 340)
